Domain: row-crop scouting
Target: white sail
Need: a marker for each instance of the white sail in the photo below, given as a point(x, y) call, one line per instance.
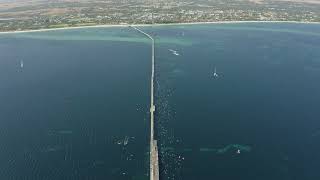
point(215, 74)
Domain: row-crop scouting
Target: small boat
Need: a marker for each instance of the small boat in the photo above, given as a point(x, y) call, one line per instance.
point(215, 74)
point(21, 64)
point(119, 142)
point(126, 140)
point(174, 52)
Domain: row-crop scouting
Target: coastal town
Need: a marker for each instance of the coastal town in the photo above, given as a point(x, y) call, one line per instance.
point(40, 14)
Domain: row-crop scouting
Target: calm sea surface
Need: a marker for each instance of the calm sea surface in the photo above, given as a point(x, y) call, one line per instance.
point(77, 109)
point(74, 103)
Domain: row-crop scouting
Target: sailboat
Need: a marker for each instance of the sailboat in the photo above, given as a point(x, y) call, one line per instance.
point(21, 64)
point(215, 74)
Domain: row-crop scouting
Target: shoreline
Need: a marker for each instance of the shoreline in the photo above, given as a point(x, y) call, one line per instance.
point(148, 25)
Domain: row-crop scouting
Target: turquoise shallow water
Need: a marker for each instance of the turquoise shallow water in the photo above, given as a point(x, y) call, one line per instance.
point(78, 108)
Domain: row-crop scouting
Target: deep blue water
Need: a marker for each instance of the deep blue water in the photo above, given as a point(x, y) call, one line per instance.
point(67, 112)
point(78, 108)
point(264, 103)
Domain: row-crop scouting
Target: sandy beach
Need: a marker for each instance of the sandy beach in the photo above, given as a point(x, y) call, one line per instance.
point(146, 25)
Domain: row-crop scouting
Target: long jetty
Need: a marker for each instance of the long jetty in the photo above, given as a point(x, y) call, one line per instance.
point(154, 157)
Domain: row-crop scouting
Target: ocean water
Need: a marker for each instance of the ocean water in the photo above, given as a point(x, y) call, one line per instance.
point(74, 110)
point(74, 103)
point(259, 119)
